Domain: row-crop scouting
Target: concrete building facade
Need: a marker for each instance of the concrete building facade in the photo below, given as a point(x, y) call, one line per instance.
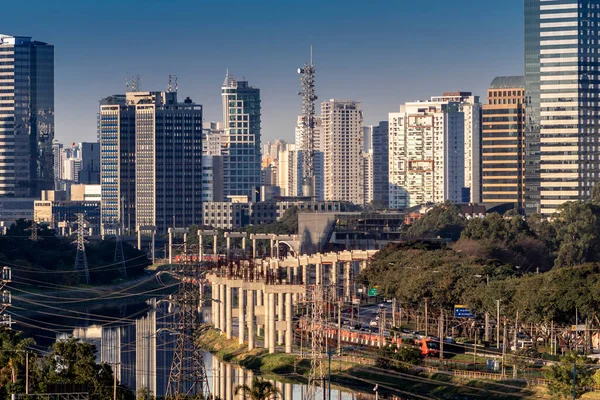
point(426, 160)
point(151, 160)
point(343, 162)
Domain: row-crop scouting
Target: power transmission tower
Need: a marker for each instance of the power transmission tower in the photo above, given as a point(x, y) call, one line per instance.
point(308, 127)
point(119, 253)
point(5, 296)
point(317, 357)
point(34, 231)
point(80, 258)
point(188, 373)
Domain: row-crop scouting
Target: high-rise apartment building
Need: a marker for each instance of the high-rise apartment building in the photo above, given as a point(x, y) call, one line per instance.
point(470, 106)
point(241, 144)
point(561, 94)
point(343, 163)
point(503, 146)
point(377, 170)
point(151, 160)
point(426, 159)
point(289, 171)
point(26, 116)
point(90, 163)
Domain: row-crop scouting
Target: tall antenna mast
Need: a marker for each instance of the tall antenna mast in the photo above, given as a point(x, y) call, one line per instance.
point(307, 79)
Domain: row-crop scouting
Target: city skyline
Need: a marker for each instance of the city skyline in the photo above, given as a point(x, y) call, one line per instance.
point(378, 55)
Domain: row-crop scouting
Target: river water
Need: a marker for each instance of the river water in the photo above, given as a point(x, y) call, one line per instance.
point(126, 336)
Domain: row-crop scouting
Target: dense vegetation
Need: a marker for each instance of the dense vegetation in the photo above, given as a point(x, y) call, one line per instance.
point(543, 268)
point(51, 259)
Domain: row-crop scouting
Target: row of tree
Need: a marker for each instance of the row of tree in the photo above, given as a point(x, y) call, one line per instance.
point(51, 259)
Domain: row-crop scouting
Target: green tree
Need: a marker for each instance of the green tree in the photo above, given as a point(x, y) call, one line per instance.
point(260, 390)
point(444, 221)
point(561, 376)
point(577, 226)
point(74, 362)
point(12, 359)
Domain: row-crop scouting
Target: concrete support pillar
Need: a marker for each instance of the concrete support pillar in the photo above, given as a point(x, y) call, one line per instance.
point(318, 274)
point(228, 310)
point(277, 248)
point(222, 308)
point(271, 323)
point(305, 278)
point(254, 249)
point(251, 319)
point(139, 238)
point(333, 278)
point(260, 301)
point(228, 244)
point(215, 306)
point(241, 320)
point(244, 244)
point(289, 334)
point(289, 394)
point(363, 265)
point(296, 277)
point(185, 243)
point(170, 246)
point(271, 248)
point(200, 248)
point(347, 277)
point(216, 257)
point(280, 317)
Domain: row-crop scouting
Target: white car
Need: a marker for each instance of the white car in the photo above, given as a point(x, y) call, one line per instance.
point(373, 323)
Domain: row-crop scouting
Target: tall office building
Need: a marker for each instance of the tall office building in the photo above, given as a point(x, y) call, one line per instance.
point(426, 159)
point(561, 93)
point(151, 160)
point(377, 156)
point(343, 163)
point(503, 147)
point(26, 116)
point(241, 144)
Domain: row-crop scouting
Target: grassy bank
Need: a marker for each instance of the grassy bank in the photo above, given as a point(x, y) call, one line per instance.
point(360, 377)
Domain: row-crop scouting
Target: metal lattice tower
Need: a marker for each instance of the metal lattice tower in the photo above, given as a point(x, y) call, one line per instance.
point(318, 343)
point(80, 258)
point(119, 253)
point(188, 373)
point(307, 80)
point(34, 231)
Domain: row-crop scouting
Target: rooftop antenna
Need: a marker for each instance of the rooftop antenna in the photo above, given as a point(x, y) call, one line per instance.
point(133, 83)
point(172, 86)
point(307, 80)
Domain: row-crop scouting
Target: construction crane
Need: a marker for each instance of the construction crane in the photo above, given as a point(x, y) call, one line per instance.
point(307, 79)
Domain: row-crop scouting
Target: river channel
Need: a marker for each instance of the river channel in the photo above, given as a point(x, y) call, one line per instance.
point(130, 338)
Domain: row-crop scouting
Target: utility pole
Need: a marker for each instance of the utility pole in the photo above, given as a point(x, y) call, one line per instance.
point(339, 343)
point(394, 312)
point(504, 351)
point(26, 372)
point(441, 334)
point(497, 324)
point(426, 316)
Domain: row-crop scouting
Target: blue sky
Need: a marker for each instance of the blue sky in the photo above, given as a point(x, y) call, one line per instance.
point(381, 53)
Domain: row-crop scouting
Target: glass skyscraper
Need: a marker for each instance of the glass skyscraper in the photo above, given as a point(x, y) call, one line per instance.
point(26, 116)
point(241, 147)
point(151, 160)
point(562, 142)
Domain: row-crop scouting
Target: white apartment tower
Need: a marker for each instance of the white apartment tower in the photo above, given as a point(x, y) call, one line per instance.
point(426, 159)
point(343, 170)
point(470, 106)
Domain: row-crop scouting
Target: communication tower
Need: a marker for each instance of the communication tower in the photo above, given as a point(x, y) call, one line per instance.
point(307, 79)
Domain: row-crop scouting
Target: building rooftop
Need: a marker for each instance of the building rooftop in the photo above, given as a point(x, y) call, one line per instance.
point(508, 82)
